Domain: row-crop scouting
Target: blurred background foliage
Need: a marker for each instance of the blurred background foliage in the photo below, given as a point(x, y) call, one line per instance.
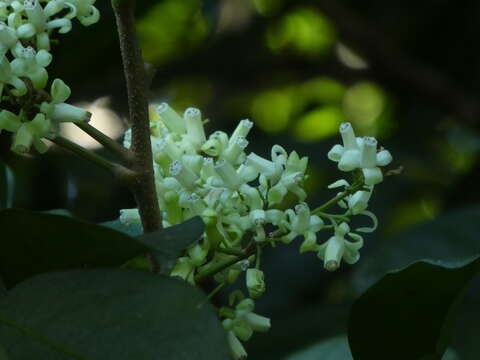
point(407, 73)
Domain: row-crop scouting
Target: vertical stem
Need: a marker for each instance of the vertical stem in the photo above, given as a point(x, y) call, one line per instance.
point(134, 69)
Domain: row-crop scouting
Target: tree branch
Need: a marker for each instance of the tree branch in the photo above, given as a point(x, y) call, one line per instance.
point(134, 69)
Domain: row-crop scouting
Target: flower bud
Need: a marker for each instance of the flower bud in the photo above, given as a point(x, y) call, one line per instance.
point(9, 121)
point(255, 283)
point(130, 216)
point(23, 139)
point(242, 130)
point(59, 91)
point(174, 122)
point(236, 347)
point(310, 243)
point(195, 131)
point(383, 158)
point(257, 322)
point(64, 112)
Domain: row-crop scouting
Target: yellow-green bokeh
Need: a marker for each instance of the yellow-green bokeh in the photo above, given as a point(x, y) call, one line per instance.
point(170, 29)
point(319, 124)
point(304, 30)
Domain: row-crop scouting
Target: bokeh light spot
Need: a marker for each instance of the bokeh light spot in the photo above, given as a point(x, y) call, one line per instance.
point(304, 31)
point(319, 124)
point(170, 29)
point(272, 110)
point(363, 104)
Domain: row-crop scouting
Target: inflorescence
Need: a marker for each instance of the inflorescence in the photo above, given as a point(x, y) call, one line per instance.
point(239, 197)
point(26, 31)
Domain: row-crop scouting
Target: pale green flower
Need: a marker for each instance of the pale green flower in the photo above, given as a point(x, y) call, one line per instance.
point(255, 283)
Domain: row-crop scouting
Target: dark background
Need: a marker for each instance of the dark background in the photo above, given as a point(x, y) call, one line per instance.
point(405, 72)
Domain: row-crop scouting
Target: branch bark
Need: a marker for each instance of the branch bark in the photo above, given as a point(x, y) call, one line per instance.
point(144, 186)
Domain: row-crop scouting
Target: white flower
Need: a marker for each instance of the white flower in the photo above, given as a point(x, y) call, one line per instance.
point(360, 153)
point(301, 222)
point(337, 248)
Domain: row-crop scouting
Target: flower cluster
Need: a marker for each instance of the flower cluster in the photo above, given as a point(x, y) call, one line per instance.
point(239, 197)
point(26, 28)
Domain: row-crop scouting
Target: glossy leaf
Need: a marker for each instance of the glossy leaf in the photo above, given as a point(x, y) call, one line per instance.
point(131, 230)
point(451, 236)
point(170, 242)
point(409, 313)
point(33, 243)
point(110, 314)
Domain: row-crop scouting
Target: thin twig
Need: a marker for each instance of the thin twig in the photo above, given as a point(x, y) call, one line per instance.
point(250, 250)
point(106, 141)
point(122, 173)
point(350, 190)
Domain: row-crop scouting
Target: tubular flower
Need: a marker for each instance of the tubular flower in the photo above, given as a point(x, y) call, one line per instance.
point(241, 324)
point(360, 153)
point(35, 22)
point(237, 194)
point(337, 248)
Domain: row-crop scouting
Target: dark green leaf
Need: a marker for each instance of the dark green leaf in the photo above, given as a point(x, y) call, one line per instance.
point(3, 353)
point(33, 243)
point(62, 212)
point(408, 313)
point(131, 230)
point(6, 186)
point(170, 242)
point(453, 235)
point(111, 314)
point(331, 349)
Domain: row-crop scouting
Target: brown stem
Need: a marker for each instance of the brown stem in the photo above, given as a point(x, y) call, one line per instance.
point(134, 69)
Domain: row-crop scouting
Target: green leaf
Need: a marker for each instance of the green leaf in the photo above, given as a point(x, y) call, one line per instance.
point(6, 186)
point(3, 353)
point(409, 313)
point(169, 243)
point(131, 230)
point(453, 235)
point(331, 349)
point(110, 314)
point(63, 212)
point(33, 243)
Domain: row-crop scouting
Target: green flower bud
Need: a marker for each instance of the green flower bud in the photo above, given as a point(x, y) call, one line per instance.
point(59, 91)
point(255, 283)
point(9, 121)
point(236, 347)
point(242, 330)
point(257, 322)
point(68, 113)
point(39, 126)
point(130, 216)
point(23, 139)
point(198, 254)
point(184, 269)
point(310, 243)
point(174, 122)
point(194, 125)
